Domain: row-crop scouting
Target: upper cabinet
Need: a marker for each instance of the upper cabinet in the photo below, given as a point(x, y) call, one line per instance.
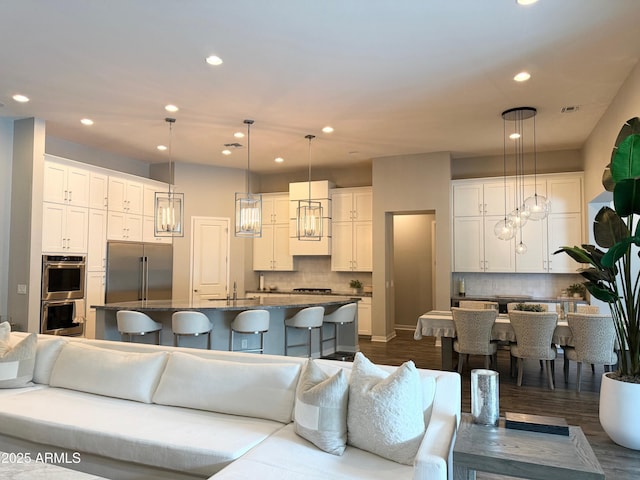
point(351, 226)
point(480, 203)
point(98, 190)
point(65, 184)
point(125, 195)
point(271, 251)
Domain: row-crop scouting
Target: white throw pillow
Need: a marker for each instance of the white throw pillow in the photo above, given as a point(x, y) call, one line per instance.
point(385, 414)
point(5, 331)
point(113, 373)
point(261, 390)
point(46, 355)
point(17, 363)
point(321, 408)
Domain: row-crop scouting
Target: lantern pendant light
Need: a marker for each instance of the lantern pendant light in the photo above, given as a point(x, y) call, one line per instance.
point(309, 212)
point(248, 205)
point(169, 206)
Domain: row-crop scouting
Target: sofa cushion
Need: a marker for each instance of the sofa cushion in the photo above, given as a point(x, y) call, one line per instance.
point(287, 456)
point(321, 408)
point(17, 363)
point(133, 376)
point(46, 355)
point(192, 442)
point(5, 331)
point(249, 389)
point(385, 414)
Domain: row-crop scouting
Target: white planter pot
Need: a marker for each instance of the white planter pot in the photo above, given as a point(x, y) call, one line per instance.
point(619, 412)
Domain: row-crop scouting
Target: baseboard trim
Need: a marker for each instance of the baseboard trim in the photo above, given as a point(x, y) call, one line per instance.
point(383, 339)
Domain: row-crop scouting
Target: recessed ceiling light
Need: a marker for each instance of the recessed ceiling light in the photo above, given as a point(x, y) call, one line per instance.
point(327, 129)
point(279, 160)
point(86, 121)
point(522, 77)
point(171, 108)
point(514, 136)
point(226, 152)
point(238, 134)
point(162, 148)
point(20, 98)
point(526, 2)
point(214, 60)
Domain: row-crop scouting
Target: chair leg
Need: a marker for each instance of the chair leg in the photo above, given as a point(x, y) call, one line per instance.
point(566, 370)
point(175, 339)
point(607, 368)
point(541, 365)
point(520, 368)
point(320, 330)
point(286, 342)
point(487, 360)
point(460, 362)
point(550, 373)
point(309, 342)
point(593, 368)
point(512, 365)
point(209, 340)
point(231, 339)
point(579, 378)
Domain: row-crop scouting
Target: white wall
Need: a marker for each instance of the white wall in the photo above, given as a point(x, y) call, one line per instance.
point(404, 184)
point(210, 192)
point(6, 157)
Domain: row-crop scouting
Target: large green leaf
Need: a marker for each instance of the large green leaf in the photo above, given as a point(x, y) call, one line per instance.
point(618, 251)
point(596, 275)
point(609, 228)
point(601, 292)
point(578, 254)
point(626, 197)
point(626, 161)
point(607, 180)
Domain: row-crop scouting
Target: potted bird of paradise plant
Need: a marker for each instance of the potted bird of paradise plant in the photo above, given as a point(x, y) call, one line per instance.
point(612, 276)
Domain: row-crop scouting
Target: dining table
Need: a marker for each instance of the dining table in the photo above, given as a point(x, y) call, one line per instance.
point(439, 323)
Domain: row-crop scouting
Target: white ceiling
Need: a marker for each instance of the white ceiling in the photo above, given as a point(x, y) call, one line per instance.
point(393, 77)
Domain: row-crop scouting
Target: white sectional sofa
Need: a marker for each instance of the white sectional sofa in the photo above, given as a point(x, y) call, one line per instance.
point(136, 411)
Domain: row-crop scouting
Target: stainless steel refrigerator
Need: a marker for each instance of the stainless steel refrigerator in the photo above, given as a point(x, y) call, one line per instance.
point(138, 271)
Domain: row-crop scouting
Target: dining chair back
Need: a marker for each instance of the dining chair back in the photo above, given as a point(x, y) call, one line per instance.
point(594, 339)
point(473, 334)
point(534, 335)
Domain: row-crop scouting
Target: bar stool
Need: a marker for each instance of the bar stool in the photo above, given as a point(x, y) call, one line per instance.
point(190, 323)
point(132, 323)
point(309, 318)
point(344, 314)
point(250, 322)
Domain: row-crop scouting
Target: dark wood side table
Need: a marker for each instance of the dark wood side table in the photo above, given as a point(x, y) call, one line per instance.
point(522, 454)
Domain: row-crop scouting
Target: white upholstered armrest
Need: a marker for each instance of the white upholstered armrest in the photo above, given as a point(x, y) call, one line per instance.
point(434, 458)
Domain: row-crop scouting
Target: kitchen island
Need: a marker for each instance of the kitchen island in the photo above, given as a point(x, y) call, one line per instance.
point(221, 312)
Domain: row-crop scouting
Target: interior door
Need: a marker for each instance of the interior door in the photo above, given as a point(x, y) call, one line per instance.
point(209, 258)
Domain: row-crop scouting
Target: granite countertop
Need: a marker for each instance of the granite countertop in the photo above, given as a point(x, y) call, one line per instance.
point(284, 301)
point(345, 293)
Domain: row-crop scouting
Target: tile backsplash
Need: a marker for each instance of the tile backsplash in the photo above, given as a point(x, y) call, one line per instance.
point(313, 272)
point(543, 285)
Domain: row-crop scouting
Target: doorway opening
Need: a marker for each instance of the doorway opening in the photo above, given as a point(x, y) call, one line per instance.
point(413, 266)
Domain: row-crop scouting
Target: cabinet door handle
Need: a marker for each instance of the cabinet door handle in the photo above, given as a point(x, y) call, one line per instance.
point(485, 208)
point(105, 202)
point(66, 192)
point(70, 192)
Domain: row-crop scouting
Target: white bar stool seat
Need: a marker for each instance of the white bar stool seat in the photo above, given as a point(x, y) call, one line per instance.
point(310, 319)
point(250, 322)
point(131, 323)
point(190, 323)
point(344, 314)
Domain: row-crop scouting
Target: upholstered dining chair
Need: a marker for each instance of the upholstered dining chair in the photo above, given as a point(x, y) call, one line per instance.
point(594, 338)
point(477, 304)
point(534, 336)
point(587, 309)
point(473, 334)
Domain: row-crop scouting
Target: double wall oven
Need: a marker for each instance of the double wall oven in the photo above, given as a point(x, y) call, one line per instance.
point(63, 280)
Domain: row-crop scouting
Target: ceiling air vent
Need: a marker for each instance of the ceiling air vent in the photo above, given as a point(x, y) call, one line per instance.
point(233, 145)
point(570, 109)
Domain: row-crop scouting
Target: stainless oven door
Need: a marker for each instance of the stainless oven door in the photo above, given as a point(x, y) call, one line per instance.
point(63, 280)
point(60, 318)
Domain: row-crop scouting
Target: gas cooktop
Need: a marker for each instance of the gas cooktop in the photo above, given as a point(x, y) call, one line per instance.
point(312, 290)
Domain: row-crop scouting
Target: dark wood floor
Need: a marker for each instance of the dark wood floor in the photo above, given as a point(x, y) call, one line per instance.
point(533, 396)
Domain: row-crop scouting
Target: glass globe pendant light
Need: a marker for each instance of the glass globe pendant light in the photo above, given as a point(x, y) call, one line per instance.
point(538, 206)
point(504, 228)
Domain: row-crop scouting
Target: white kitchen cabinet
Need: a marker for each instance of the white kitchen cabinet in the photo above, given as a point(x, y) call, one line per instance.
point(364, 316)
point(65, 184)
point(480, 197)
point(98, 190)
point(271, 251)
point(149, 234)
point(351, 229)
point(124, 226)
point(97, 241)
point(475, 247)
point(125, 195)
point(94, 292)
point(64, 228)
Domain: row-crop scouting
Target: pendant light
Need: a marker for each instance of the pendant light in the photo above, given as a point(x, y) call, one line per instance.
point(168, 206)
point(538, 206)
point(248, 205)
point(309, 212)
point(504, 228)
